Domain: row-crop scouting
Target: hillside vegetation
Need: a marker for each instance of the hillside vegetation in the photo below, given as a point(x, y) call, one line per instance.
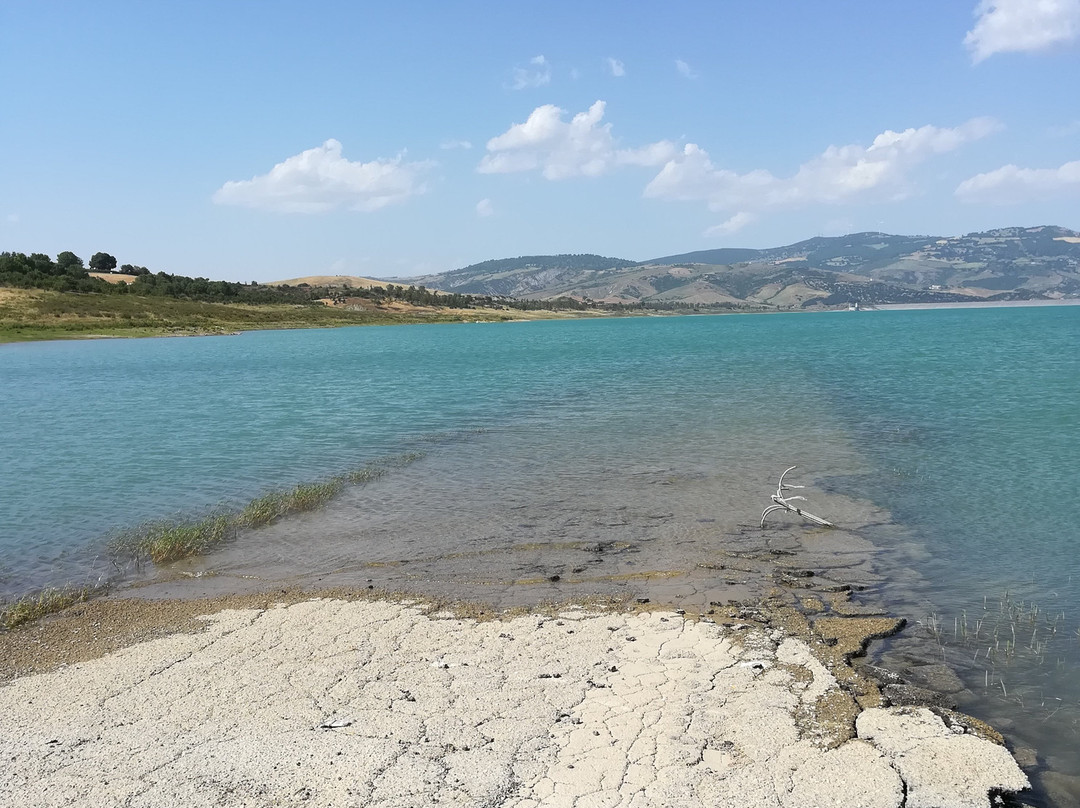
point(45, 299)
point(871, 268)
point(32, 314)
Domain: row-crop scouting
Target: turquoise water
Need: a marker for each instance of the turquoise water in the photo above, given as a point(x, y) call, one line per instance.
point(962, 425)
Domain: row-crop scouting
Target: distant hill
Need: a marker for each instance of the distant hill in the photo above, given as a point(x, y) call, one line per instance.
point(347, 281)
point(724, 255)
point(523, 276)
point(1012, 263)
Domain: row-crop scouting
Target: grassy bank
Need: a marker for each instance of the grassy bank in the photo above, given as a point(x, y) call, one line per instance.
point(36, 314)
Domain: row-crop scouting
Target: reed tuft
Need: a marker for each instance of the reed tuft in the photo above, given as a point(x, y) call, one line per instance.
point(47, 601)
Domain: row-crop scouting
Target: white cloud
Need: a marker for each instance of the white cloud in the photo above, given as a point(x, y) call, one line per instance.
point(1022, 25)
point(537, 74)
point(560, 149)
point(12, 218)
point(732, 225)
point(484, 208)
point(320, 179)
point(1014, 184)
point(455, 144)
point(617, 68)
point(685, 70)
point(839, 174)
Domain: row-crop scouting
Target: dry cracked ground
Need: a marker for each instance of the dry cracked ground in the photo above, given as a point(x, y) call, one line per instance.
point(334, 703)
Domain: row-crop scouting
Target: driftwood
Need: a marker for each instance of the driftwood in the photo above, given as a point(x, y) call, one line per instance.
point(784, 503)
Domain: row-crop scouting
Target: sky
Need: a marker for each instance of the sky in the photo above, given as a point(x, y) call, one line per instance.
point(258, 141)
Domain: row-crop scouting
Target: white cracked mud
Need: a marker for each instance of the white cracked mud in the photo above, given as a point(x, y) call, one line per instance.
point(373, 703)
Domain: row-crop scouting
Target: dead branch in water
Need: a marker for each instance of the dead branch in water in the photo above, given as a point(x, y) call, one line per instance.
point(784, 503)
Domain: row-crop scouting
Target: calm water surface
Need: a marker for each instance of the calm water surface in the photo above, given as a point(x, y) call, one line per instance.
point(962, 425)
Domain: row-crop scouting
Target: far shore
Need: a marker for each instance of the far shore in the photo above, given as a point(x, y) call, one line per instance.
point(41, 332)
point(982, 304)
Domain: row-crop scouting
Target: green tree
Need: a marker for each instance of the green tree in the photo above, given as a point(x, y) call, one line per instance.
point(67, 260)
point(102, 262)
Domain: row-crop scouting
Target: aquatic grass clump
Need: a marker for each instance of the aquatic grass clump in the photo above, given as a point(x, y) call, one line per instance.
point(166, 540)
point(47, 601)
point(171, 540)
point(378, 469)
point(368, 474)
point(268, 508)
point(1014, 634)
point(305, 497)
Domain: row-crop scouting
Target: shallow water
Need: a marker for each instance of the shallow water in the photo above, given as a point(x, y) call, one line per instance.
point(617, 456)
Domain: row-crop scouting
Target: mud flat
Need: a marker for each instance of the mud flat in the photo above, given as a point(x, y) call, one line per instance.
point(394, 702)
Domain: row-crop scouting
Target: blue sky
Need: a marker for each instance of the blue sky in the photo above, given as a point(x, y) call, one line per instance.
point(266, 140)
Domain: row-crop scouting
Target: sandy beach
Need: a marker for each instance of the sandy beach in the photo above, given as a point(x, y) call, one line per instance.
point(384, 702)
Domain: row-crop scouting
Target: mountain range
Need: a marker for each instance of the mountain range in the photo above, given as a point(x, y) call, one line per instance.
point(1013, 263)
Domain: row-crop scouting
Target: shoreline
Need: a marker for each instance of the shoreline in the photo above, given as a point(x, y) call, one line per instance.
point(568, 560)
point(990, 304)
point(746, 706)
point(62, 335)
point(803, 582)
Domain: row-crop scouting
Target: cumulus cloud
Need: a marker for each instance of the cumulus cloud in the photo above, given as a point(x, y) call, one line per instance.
point(484, 208)
point(1014, 184)
point(684, 69)
point(559, 149)
point(455, 144)
point(1004, 26)
point(732, 225)
point(839, 174)
point(537, 74)
point(617, 68)
point(320, 179)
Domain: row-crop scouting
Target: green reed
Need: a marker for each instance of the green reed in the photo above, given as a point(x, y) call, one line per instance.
point(171, 540)
point(47, 601)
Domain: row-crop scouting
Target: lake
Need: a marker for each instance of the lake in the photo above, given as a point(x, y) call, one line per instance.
point(947, 439)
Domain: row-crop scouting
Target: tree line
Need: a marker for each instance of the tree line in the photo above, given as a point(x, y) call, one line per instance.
point(69, 273)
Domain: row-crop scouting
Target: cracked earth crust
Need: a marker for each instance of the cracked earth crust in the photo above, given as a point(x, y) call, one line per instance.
point(336, 703)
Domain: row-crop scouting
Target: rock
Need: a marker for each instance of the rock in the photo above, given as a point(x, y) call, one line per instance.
point(1060, 788)
point(914, 696)
point(812, 605)
point(942, 769)
point(882, 676)
point(849, 609)
point(854, 633)
point(839, 779)
point(1028, 758)
point(937, 677)
point(966, 723)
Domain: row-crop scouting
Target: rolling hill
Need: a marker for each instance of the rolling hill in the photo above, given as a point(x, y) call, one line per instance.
point(347, 281)
point(1006, 264)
